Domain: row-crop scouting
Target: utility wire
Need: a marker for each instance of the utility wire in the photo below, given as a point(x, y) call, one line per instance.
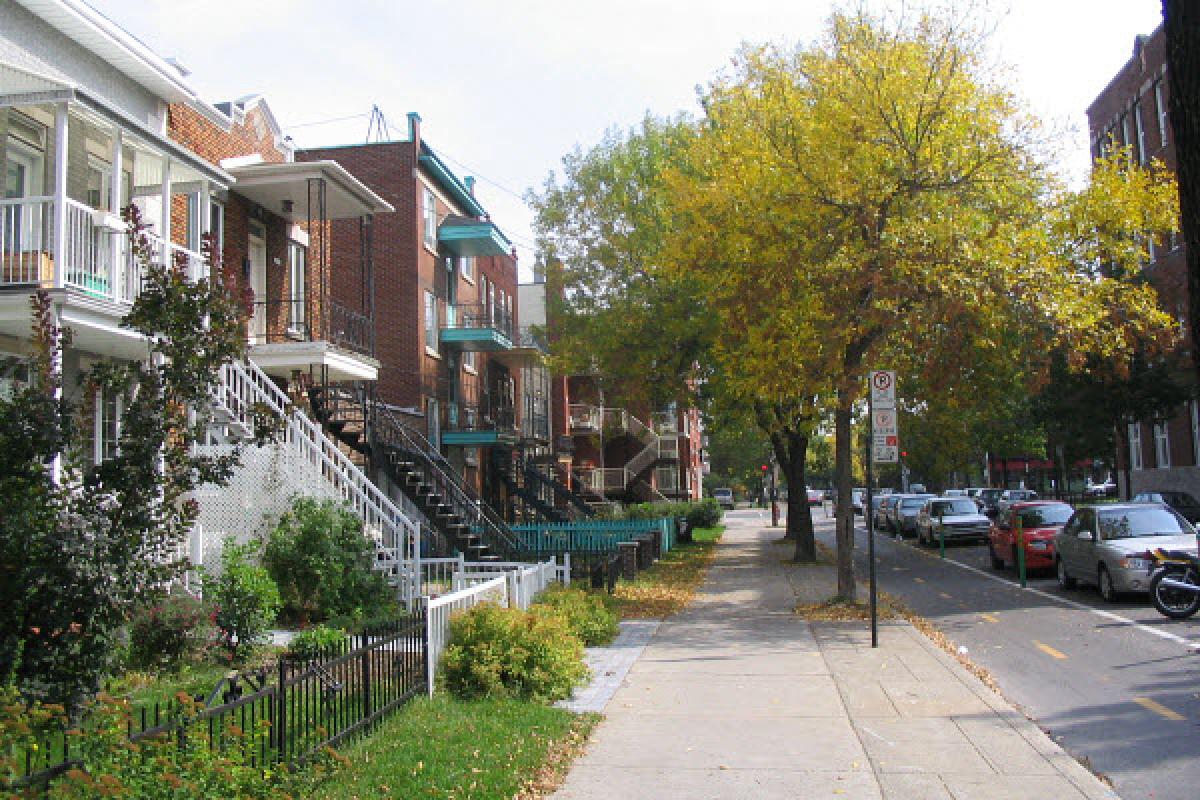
point(325, 121)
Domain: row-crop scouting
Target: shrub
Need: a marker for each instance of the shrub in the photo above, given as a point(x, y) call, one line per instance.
point(246, 600)
point(168, 632)
point(704, 514)
point(588, 614)
point(506, 652)
point(322, 562)
point(312, 642)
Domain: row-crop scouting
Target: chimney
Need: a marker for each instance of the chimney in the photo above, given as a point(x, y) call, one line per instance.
point(414, 127)
point(539, 270)
point(470, 182)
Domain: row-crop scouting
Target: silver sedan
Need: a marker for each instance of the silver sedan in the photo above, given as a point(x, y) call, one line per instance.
point(1109, 545)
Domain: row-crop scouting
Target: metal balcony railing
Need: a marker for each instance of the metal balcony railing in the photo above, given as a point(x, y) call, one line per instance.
point(476, 315)
point(292, 320)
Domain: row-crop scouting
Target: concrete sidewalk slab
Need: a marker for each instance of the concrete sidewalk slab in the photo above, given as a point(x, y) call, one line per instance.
point(736, 697)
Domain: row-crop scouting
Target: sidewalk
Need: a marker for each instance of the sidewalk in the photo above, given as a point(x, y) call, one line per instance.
point(738, 698)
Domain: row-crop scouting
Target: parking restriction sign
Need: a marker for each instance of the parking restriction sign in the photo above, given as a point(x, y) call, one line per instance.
point(883, 389)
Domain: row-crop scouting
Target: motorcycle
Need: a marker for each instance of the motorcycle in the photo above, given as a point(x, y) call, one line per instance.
point(1175, 583)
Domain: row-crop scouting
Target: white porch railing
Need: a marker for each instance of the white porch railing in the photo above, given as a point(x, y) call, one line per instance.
point(96, 259)
point(509, 584)
point(245, 390)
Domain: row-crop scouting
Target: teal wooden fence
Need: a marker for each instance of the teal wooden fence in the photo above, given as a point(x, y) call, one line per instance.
point(590, 536)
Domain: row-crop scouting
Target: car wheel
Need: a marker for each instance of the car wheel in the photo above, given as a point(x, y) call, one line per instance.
point(1104, 583)
point(997, 561)
point(1065, 581)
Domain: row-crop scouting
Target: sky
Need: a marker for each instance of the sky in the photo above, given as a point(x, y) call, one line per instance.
point(506, 88)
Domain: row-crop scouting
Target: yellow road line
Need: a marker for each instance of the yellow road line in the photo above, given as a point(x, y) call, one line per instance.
point(1048, 650)
point(1158, 708)
point(990, 617)
point(919, 580)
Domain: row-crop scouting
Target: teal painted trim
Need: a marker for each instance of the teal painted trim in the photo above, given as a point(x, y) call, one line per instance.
point(449, 181)
point(478, 239)
point(477, 438)
point(486, 339)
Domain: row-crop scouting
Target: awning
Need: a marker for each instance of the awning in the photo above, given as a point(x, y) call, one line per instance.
point(283, 189)
point(466, 236)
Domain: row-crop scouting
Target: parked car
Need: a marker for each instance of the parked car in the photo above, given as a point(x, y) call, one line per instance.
point(955, 518)
point(987, 500)
point(1040, 521)
point(904, 513)
point(1010, 496)
point(882, 520)
point(816, 497)
point(858, 497)
point(1182, 502)
point(724, 497)
point(973, 491)
point(954, 493)
point(1109, 545)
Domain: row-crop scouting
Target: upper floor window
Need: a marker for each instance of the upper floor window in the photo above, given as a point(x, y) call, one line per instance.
point(430, 208)
point(1135, 445)
point(1162, 445)
point(1126, 139)
point(1160, 106)
point(1141, 133)
point(466, 266)
point(297, 274)
point(430, 321)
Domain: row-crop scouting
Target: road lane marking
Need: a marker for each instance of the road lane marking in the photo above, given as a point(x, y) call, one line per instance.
point(1159, 708)
point(1050, 651)
point(1183, 640)
point(944, 596)
point(919, 580)
point(990, 617)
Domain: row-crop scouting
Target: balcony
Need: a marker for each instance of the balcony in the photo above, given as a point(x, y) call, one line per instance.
point(479, 328)
point(584, 418)
point(290, 335)
point(467, 236)
point(480, 419)
point(70, 163)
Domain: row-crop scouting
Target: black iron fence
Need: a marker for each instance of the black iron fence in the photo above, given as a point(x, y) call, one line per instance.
point(302, 704)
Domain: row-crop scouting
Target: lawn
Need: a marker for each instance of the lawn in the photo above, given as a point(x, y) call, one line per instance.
point(668, 586)
point(449, 748)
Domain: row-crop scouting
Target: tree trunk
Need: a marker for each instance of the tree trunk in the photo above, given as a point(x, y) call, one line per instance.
point(1181, 24)
point(799, 517)
point(843, 472)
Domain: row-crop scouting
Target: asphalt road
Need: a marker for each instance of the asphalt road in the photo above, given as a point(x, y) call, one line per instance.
point(1115, 684)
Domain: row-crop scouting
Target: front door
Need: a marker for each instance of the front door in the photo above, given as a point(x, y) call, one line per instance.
point(257, 253)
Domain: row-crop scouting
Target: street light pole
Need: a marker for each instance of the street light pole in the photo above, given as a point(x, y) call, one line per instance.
point(774, 498)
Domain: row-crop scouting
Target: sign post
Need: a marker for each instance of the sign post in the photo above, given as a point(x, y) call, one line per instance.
point(884, 449)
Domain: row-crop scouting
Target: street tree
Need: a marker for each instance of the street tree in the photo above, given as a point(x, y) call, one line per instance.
point(877, 198)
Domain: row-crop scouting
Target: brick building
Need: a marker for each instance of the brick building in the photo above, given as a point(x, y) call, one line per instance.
point(450, 348)
point(1133, 111)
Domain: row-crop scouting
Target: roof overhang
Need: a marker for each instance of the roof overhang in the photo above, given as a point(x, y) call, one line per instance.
point(472, 237)
point(341, 365)
point(284, 189)
point(450, 182)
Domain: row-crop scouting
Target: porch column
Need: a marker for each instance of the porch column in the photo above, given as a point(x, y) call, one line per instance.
point(60, 194)
point(165, 233)
point(204, 211)
point(117, 241)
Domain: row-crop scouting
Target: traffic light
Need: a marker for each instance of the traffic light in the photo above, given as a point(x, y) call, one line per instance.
point(764, 467)
point(904, 454)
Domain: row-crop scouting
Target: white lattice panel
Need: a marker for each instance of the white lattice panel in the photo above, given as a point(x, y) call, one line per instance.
point(260, 491)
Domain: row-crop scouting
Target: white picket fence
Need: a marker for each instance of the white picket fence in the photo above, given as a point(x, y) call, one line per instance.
point(509, 584)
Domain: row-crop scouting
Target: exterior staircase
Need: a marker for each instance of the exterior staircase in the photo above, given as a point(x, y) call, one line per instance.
point(454, 509)
point(244, 393)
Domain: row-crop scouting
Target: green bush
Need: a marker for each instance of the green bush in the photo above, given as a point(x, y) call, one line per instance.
point(245, 598)
point(587, 613)
point(168, 632)
point(322, 562)
point(703, 514)
point(506, 652)
point(312, 642)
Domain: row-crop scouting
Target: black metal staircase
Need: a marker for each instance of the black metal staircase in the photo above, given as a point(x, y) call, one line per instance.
point(564, 496)
point(418, 469)
point(513, 472)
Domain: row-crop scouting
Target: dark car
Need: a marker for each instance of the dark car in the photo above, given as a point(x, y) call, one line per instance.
point(1182, 502)
point(904, 513)
point(988, 501)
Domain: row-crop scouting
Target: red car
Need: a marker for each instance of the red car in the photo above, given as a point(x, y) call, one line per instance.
point(1039, 520)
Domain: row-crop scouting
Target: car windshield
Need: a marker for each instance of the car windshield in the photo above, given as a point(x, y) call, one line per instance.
point(913, 502)
point(1045, 516)
point(1134, 522)
point(955, 508)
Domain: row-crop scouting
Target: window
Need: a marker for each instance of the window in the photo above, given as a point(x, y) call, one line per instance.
point(109, 406)
point(430, 321)
point(216, 226)
point(430, 220)
point(467, 267)
point(1126, 140)
point(1160, 106)
point(1194, 407)
point(1141, 133)
point(99, 184)
point(1162, 445)
point(297, 274)
point(23, 167)
point(1135, 445)
point(468, 361)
